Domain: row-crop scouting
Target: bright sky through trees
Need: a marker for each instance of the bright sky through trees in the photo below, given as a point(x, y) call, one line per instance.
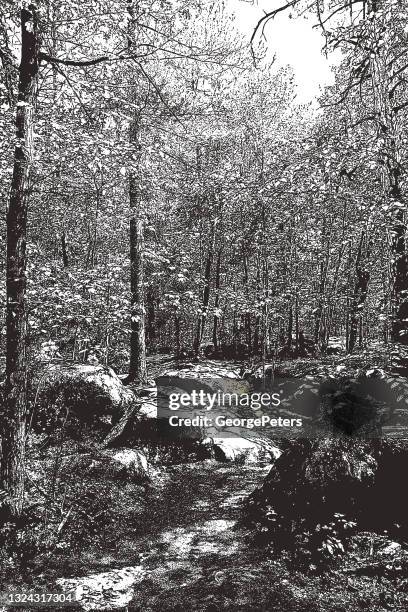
point(294, 41)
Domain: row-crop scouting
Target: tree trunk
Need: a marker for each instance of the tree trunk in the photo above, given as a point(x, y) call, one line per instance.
point(65, 258)
point(137, 365)
point(324, 268)
point(247, 315)
point(151, 322)
point(206, 292)
point(217, 299)
point(399, 331)
point(177, 335)
point(289, 340)
point(14, 417)
point(360, 291)
point(257, 330)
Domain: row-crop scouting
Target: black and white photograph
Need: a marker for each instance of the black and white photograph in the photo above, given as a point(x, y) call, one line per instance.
point(204, 305)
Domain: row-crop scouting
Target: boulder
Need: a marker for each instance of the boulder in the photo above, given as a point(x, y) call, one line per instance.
point(207, 377)
point(105, 591)
point(86, 392)
point(235, 449)
point(316, 480)
point(125, 463)
point(121, 463)
point(390, 550)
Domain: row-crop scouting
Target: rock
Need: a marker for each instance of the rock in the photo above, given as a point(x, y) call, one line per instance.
point(204, 377)
point(105, 591)
point(315, 480)
point(89, 393)
point(243, 450)
point(125, 463)
point(391, 549)
point(336, 346)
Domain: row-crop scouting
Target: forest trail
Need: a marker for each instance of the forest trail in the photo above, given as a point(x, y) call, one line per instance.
point(191, 538)
point(206, 539)
point(210, 513)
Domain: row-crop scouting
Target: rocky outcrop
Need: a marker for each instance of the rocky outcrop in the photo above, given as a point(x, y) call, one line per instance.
point(85, 392)
point(315, 480)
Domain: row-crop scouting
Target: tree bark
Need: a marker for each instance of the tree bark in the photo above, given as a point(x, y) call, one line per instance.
point(65, 258)
point(217, 299)
point(177, 335)
point(137, 364)
point(247, 315)
point(324, 269)
point(206, 292)
point(399, 331)
point(360, 291)
point(13, 421)
point(151, 322)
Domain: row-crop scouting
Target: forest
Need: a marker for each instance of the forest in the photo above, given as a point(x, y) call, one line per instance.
point(174, 215)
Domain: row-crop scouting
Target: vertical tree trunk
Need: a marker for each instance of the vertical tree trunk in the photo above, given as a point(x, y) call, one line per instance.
point(217, 299)
point(399, 331)
point(257, 330)
point(206, 292)
point(177, 335)
point(332, 299)
point(151, 322)
point(392, 131)
point(13, 419)
point(137, 361)
point(65, 258)
point(324, 269)
point(289, 340)
point(297, 320)
point(247, 315)
point(360, 291)
point(137, 364)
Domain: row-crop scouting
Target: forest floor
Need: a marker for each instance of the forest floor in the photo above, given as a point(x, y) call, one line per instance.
point(180, 537)
point(183, 536)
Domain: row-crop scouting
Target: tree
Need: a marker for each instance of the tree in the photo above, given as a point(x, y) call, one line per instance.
point(13, 419)
point(137, 360)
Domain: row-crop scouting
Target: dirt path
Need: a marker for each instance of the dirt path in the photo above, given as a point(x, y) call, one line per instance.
point(206, 502)
point(190, 537)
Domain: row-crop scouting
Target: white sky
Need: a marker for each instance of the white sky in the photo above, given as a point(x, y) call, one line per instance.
point(293, 41)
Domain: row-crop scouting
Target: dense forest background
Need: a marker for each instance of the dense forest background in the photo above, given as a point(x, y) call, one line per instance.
point(262, 221)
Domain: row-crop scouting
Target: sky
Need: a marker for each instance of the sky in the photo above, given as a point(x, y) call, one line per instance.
point(293, 41)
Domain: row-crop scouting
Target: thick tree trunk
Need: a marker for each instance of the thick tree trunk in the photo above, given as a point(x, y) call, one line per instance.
point(399, 331)
point(14, 417)
point(137, 364)
point(392, 135)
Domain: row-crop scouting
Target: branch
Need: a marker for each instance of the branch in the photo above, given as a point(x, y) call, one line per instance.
point(66, 62)
point(361, 121)
point(159, 93)
point(396, 109)
point(271, 15)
